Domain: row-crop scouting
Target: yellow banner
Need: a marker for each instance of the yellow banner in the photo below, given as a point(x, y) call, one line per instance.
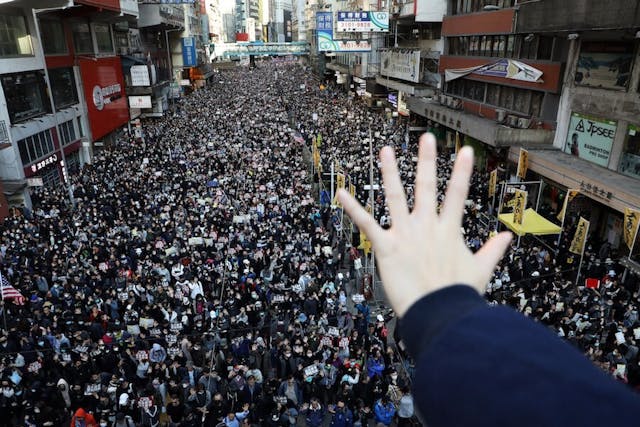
point(457, 142)
point(520, 204)
point(523, 163)
point(365, 243)
point(340, 181)
point(631, 221)
point(493, 181)
point(316, 157)
point(571, 194)
point(580, 237)
point(352, 190)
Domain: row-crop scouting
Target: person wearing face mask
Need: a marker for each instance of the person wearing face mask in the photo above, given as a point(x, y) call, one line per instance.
point(341, 415)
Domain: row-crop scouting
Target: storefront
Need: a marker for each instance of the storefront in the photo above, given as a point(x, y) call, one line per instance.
point(103, 86)
point(603, 194)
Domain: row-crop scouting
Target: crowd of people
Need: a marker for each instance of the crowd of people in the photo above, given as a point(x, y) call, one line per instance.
point(197, 280)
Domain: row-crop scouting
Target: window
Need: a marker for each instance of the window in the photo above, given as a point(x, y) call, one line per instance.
point(53, 37)
point(529, 47)
point(510, 50)
point(521, 101)
point(26, 95)
point(82, 37)
point(474, 46)
point(103, 37)
point(493, 94)
point(499, 46)
point(507, 94)
point(36, 147)
point(63, 86)
point(630, 160)
point(67, 133)
point(14, 37)
point(536, 103)
point(80, 129)
point(474, 90)
point(545, 48)
point(485, 46)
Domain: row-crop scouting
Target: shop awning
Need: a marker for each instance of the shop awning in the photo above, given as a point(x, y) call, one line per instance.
point(532, 223)
point(13, 186)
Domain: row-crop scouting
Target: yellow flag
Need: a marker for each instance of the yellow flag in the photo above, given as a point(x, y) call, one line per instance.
point(519, 206)
point(316, 157)
point(571, 194)
point(457, 142)
point(523, 163)
point(365, 244)
point(631, 221)
point(580, 237)
point(493, 180)
point(352, 189)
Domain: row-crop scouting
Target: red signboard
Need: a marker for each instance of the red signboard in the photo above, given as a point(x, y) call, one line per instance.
point(102, 4)
point(242, 37)
point(103, 86)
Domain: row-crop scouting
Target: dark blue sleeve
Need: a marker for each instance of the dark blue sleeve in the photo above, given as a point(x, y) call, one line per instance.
point(478, 365)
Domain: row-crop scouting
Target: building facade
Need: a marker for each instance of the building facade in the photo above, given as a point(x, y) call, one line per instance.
point(63, 88)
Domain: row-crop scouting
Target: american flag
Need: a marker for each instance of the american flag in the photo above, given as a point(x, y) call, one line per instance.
point(8, 292)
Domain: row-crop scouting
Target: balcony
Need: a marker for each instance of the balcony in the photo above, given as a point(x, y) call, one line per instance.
point(453, 115)
point(161, 15)
point(577, 15)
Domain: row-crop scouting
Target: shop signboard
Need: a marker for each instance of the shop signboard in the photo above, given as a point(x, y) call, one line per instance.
point(630, 161)
point(590, 138)
point(403, 64)
point(363, 21)
point(140, 101)
point(189, 57)
point(140, 75)
point(324, 28)
point(103, 86)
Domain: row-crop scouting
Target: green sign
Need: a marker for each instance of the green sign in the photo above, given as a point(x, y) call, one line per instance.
point(590, 138)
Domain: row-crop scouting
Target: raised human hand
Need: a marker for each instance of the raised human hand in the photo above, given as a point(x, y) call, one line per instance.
point(424, 251)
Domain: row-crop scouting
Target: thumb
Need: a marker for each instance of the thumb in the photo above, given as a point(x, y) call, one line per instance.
point(489, 255)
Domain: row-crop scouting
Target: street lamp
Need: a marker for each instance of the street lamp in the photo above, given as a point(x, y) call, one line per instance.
point(65, 170)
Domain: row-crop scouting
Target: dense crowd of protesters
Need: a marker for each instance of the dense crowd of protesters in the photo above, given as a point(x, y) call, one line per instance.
point(197, 280)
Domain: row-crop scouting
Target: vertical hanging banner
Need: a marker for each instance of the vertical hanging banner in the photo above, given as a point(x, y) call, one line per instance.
point(493, 181)
point(340, 183)
point(189, 57)
point(580, 237)
point(324, 29)
point(352, 190)
point(631, 222)
point(571, 194)
point(523, 164)
point(519, 205)
point(458, 146)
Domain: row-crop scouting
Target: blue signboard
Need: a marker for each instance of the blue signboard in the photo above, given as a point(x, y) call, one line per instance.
point(189, 58)
point(362, 22)
point(324, 27)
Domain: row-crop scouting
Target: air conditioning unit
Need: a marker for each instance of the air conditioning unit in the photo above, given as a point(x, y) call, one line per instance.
point(512, 121)
point(442, 99)
point(524, 123)
point(501, 115)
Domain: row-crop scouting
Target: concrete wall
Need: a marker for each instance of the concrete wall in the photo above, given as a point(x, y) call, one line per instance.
point(577, 15)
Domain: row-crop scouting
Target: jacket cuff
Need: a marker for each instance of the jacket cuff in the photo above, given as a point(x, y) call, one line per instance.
point(434, 312)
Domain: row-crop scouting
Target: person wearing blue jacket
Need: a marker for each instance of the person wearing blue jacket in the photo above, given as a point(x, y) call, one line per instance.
point(384, 411)
point(341, 415)
point(476, 365)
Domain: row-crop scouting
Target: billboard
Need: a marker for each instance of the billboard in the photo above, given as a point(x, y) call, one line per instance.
point(189, 57)
point(362, 22)
point(590, 138)
point(140, 75)
point(324, 28)
point(140, 101)
point(403, 64)
point(103, 87)
point(288, 26)
point(605, 65)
